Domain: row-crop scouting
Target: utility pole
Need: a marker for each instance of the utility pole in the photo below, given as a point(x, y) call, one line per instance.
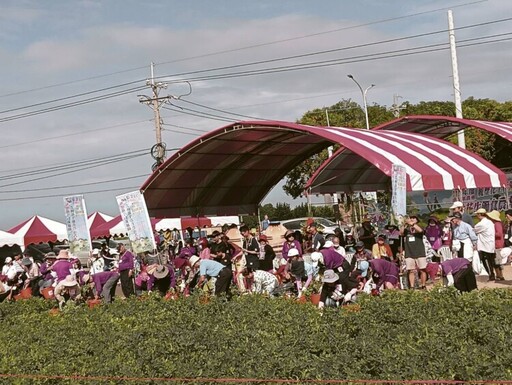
point(155, 103)
point(456, 87)
point(396, 108)
point(156, 107)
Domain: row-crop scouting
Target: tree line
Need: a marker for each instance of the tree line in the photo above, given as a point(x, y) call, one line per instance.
point(348, 113)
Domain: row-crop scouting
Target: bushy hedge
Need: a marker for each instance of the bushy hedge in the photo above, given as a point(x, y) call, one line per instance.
point(438, 334)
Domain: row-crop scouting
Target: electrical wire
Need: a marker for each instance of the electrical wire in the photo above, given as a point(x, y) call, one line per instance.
point(70, 193)
point(349, 60)
point(318, 33)
point(223, 68)
point(243, 48)
point(49, 138)
point(60, 173)
point(73, 185)
point(219, 110)
point(329, 51)
point(209, 116)
point(61, 166)
point(72, 104)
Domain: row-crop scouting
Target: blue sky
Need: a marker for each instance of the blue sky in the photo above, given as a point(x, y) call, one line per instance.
point(57, 49)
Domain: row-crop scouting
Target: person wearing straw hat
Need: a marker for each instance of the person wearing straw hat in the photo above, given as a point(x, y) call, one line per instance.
point(62, 266)
point(499, 242)
point(485, 243)
point(67, 290)
point(164, 278)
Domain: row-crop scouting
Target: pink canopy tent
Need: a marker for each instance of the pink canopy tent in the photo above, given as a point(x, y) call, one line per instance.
point(8, 239)
point(39, 229)
point(97, 219)
point(116, 227)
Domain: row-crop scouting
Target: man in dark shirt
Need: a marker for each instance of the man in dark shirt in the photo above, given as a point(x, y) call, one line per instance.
point(415, 252)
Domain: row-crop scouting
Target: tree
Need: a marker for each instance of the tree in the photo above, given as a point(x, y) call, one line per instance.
point(347, 113)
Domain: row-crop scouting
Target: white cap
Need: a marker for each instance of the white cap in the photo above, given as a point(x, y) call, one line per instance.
point(328, 244)
point(315, 257)
point(293, 252)
point(8, 260)
point(456, 205)
point(95, 251)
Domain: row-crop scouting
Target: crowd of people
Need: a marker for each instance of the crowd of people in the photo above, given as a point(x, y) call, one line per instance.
point(348, 262)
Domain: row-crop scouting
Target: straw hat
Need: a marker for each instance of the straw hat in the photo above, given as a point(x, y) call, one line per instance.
point(494, 215)
point(161, 272)
point(69, 281)
point(63, 254)
point(330, 276)
point(480, 211)
point(193, 260)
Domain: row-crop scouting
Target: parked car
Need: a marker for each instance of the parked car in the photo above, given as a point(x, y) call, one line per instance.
point(325, 226)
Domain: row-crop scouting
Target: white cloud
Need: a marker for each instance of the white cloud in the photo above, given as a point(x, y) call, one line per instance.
point(82, 42)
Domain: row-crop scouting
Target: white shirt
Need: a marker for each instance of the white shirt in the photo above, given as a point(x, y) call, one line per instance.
point(264, 282)
point(5, 269)
point(484, 231)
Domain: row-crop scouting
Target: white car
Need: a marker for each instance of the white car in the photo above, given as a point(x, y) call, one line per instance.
point(325, 226)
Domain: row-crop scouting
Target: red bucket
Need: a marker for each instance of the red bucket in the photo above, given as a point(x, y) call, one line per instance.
point(47, 293)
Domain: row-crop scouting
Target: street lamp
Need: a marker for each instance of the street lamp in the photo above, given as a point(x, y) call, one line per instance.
point(363, 92)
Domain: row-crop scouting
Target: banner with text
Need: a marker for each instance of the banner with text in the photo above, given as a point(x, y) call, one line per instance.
point(399, 193)
point(136, 220)
point(76, 224)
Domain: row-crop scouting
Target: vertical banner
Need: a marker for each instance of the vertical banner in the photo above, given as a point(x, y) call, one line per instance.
point(399, 193)
point(76, 224)
point(136, 219)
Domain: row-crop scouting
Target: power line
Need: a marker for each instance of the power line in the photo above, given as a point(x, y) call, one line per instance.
point(73, 185)
point(255, 72)
point(72, 104)
point(67, 97)
point(49, 138)
point(219, 110)
point(59, 166)
point(60, 195)
point(339, 61)
point(245, 48)
point(181, 111)
point(364, 45)
point(60, 173)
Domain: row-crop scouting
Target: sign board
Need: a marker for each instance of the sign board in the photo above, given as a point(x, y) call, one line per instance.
point(399, 192)
point(134, 213)
point(76, 224)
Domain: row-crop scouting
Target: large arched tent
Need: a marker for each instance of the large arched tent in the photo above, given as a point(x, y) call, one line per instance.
point(230, 170)
point(332, 175)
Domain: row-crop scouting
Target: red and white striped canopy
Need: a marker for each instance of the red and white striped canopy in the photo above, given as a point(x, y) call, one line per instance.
point(39, 229)
point(230, 170)
point(443, 126)
point(430, 163)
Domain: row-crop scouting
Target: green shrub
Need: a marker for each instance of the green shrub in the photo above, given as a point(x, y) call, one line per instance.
point(438, 334)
